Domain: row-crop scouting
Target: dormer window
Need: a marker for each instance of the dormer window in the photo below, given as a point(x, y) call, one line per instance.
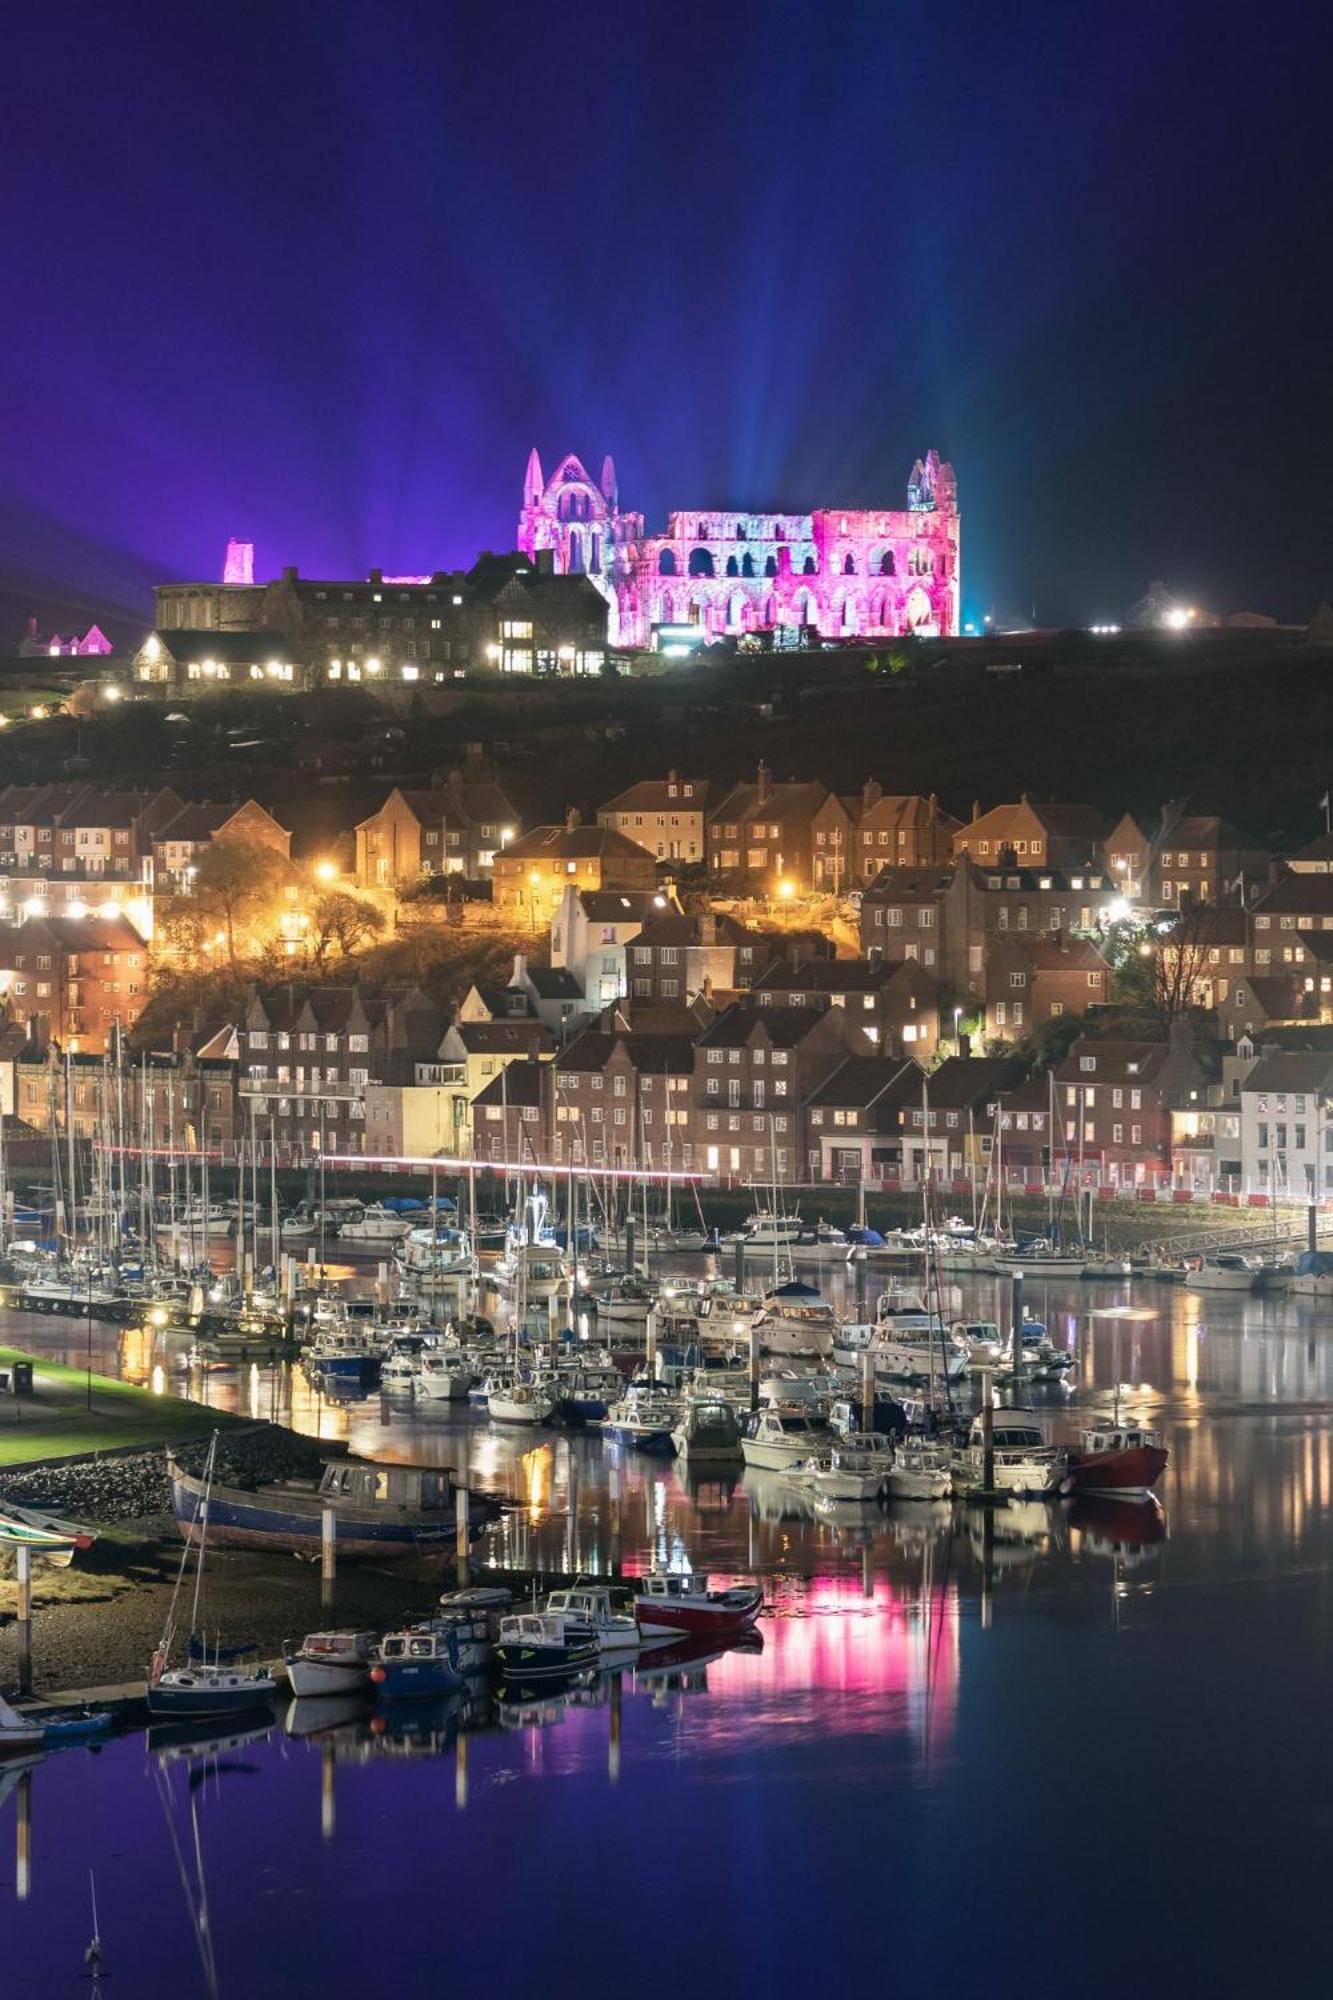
point(1089, 1063)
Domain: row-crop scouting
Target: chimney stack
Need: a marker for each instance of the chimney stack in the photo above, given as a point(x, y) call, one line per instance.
point(762, 785)
point(573, 820)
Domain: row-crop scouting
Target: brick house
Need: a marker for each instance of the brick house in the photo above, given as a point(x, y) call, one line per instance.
point(181, 840)
point(1284, 919)
point(308, 1055)
point(666, 815)
point(511, 1115)
point(1032, 980)
point(1205, 860)
point(945, 917)
point(1034, 836)
point(755, 1068)
point(75, 977)
point(894, 1002)
point(1116, 1098)
point(898, 830)
point(622, 1099)
point(532, 874)
point(854, 1117)
point(456, 829)
point(1126, 857)
point(678, 956)
point(949, 1130)
point(764, 833)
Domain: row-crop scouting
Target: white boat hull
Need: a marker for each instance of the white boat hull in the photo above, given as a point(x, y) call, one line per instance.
point(910, 1483)
point(323, 1677)
point(835, 1485)
point(770, 1456)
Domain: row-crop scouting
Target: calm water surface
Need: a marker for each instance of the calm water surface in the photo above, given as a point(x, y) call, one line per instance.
point(1086, 1751)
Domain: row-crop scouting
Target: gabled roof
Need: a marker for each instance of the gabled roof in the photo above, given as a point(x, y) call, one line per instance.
point(1059, 821)
point(861, 1081)
point(784, 1027)
point(825, 975)
point(909, 885)
point(618, 906)
point(1055, 953)
point(961, 1081)
point(1207, 830)
point(1117, 1061)
point(575, 843)
point(519, 1083)
point(695, 927)
point(235, 648)
point(1296, 894)
point(1318, 850)
point(796, 799)
point(500, 1038)
point(1291, 1069)
point(554, 982)
point(656, 795)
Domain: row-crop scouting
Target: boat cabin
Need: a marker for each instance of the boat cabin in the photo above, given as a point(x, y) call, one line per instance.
point(1119, 1437)
point(363, 1483)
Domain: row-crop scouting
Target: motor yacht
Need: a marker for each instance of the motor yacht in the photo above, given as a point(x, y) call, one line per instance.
point(708, 1431)
point(1224, 1271)
point(1023, 1462)
point(858, 1465)
point(778, 1439)
point(922, 1469)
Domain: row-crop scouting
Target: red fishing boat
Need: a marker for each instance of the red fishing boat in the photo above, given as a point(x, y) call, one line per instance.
point(1124, 1459)
point(674, 1606)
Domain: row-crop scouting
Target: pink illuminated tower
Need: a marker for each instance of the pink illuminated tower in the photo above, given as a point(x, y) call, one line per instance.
point(868, 573)
point(239, 566)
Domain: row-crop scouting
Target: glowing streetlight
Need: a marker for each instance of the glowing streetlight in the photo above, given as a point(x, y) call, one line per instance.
point(326, 871)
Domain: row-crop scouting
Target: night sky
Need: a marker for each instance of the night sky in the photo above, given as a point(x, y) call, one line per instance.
point(318, 276)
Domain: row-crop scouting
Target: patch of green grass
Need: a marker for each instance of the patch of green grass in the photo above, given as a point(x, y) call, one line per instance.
point(55, 1422)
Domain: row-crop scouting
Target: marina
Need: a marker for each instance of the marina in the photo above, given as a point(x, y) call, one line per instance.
point(842, 1624)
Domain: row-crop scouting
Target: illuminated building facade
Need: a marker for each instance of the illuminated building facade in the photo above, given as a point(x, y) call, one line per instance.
point(836, 573)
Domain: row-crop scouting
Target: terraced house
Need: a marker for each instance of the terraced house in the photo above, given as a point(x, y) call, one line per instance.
point(308, 1055)
point(755, 1069)
point(622, 1099)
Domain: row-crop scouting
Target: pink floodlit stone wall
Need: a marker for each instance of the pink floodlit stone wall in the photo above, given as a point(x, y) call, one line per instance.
point(873, 573)
point(240, 564)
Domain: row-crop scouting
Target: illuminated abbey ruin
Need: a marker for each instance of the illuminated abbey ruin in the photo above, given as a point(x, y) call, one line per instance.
point(836, 573)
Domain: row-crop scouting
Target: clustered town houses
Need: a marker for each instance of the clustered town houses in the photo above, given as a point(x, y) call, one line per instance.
point(749, 980)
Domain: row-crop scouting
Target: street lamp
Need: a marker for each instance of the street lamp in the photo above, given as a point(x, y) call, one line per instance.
point(786, 890)
point(958, 1029)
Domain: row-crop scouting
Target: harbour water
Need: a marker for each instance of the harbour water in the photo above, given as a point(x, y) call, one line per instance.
point(1084, 1748)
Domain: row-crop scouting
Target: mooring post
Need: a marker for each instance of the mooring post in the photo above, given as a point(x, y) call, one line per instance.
point(630, 1244)
point(613, 1502)
point(859, 1271)
point(867, 1389)
point(987, 1434)
point(328, 1556)
point(461, 1534)
point(1312, 1227)
point(613, 1739)
point(738, 1270)
point(754, 1366)
point(25, 1618)
point(650, 1344)
point(23, 1838)
point(1018, 1329)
